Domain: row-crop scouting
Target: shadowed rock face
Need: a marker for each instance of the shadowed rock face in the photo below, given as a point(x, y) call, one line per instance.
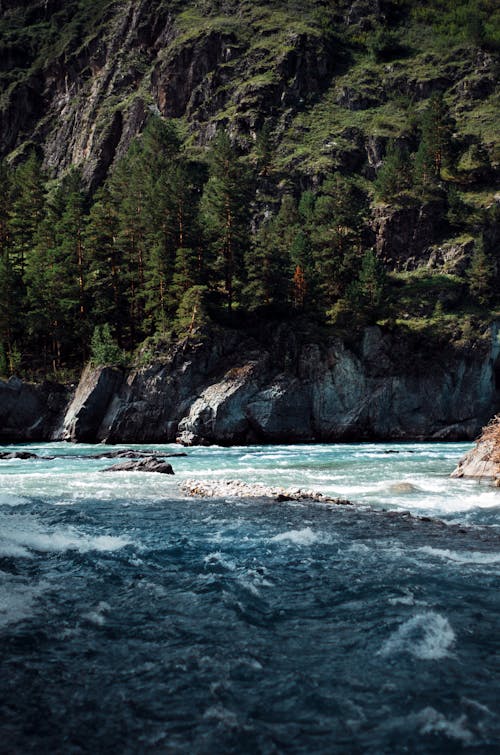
point(484, 459)
point(233, 389)
point(29, 412)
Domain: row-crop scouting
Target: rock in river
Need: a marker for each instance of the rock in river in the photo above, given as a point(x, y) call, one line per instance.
point(150, 464)
point(484, 459)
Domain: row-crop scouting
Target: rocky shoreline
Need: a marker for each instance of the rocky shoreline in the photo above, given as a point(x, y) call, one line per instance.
point(233, 388)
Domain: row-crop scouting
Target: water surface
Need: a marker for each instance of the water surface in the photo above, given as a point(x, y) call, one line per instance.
point(135, 620)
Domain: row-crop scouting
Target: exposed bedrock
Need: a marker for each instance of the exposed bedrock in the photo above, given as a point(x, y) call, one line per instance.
point(237, 389)
point(483, 461)
point(29, 412)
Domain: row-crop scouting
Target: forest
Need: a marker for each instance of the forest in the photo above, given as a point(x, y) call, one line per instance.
point(169, 243)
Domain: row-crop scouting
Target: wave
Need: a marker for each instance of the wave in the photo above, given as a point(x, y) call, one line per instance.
point(427, 636)
point(12, 500)
point(20, 537)
point(305, 536)
point(462, 557)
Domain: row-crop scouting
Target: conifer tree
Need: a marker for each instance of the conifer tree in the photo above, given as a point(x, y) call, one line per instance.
point(435, 150)
point(106, 286)
point(226, 217)
point(339, 215)
point(11, 288)
point(481, 274)
point(27, 210)
point(394, 176)
point(269, 268)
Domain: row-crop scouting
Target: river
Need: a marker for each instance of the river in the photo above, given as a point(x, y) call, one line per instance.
point(136, 620)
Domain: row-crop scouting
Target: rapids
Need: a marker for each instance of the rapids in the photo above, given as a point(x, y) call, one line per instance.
point(134, 619)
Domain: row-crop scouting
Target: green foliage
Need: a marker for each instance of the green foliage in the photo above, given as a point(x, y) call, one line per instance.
point(435, 150)
point(384, 45)
point(4, 370)
point(104, 350)
point(192, 313)
point(366, 294)
point(395, 174)
point(481, 275)
point(226, 217)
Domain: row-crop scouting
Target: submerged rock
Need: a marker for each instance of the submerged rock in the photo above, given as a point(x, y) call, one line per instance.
point(18, 455)
point(150, 464)
point(132, 454)
point(484, 459)
point(239, 489)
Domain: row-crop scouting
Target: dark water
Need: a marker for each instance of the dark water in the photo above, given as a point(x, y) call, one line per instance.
point(176, 626)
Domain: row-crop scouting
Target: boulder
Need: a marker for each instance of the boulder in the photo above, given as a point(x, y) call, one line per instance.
point(150, 464)
point(484, 459)
point(7, 455)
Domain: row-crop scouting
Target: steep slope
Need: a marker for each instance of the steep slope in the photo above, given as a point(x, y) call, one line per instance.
point(80, 78)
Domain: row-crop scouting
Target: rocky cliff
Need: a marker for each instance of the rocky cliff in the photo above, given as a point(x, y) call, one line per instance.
point(235, 388)
point(29, 412)
point(79, 79)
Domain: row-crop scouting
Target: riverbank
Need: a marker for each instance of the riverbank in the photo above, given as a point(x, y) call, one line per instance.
point(234, 388)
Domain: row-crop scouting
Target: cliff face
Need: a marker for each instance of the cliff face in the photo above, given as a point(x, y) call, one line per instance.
point(235, 389)
point(83, 98)
point(79, 79)
point(28, 412)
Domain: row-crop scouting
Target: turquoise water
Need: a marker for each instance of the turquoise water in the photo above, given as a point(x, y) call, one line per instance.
point(134, 619)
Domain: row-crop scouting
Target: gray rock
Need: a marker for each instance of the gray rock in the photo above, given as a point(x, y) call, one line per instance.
point(484, 459)
point(29, 412)
point(150, 464)
point(290, 387)
point(84, 415)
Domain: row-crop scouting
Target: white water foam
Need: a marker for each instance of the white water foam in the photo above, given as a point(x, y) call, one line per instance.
point(305, 536)
point(21, 535)
point(12, 500)
point(462, 557)
point(97, 616)
point(428, 636)
point(430, 721)
point(217, 559)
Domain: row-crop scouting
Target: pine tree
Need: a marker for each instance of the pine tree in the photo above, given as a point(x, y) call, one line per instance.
point(71, 264)
point(11, 287)
point(366, 294)
point(269, 268)
point(394, 176)
point(339, 214)
point(481, 275)
point(226, 218)
point(106, 286)
point(435, 150)
point(27, 210)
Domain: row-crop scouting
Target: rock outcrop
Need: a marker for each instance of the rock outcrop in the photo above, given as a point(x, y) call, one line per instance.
point(484, 459)
point(274, 387)
point(93, 395)
point(29, 412)
point(288, 387)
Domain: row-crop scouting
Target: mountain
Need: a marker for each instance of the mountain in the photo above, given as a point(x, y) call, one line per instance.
point(173, 167)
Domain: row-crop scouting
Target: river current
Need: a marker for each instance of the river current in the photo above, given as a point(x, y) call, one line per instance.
point(136, 620)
